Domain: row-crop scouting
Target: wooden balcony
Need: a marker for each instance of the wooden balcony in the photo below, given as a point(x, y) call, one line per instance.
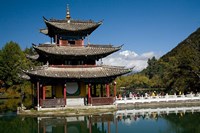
point(60, 102)
point(101, 101)
point(57, 102)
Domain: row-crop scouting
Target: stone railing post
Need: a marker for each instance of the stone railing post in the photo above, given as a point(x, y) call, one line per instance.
point(133, 99)
point(175, 97)
point(167, 97)
point(142, 99)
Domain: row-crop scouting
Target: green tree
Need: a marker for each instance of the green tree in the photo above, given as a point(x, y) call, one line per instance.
point(154, 68)
point(12, 61)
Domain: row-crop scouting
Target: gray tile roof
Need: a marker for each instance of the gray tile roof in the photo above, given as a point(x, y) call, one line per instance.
point(90, 50)
point(78, 72)
point(70, 26)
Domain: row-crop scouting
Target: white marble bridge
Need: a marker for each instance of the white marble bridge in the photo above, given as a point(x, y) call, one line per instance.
point(150, 99)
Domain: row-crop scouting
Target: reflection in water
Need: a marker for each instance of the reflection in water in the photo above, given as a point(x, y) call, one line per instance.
point(80, 124)
point(151, 121)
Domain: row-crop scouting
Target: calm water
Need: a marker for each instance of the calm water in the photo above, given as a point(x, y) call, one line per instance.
point(154, 122)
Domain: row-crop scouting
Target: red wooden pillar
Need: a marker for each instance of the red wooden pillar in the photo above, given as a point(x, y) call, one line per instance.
point(43, 92)
point(38, 94)
point(115, 91)
point(89, 94)
point(107, 90)
point(65, 96)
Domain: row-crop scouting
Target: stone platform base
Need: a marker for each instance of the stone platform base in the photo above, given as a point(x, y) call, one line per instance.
point(70, 111)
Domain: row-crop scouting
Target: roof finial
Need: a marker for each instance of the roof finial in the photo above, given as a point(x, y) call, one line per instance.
point(68, 13)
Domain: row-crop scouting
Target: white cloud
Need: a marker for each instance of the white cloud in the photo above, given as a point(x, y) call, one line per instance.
point(128, 54)
point(148, 55)
point(129, 59)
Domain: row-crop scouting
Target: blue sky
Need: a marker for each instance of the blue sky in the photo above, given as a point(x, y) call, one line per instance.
point(143, 26)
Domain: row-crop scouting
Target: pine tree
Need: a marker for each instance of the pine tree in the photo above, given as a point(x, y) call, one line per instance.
point(12, 61)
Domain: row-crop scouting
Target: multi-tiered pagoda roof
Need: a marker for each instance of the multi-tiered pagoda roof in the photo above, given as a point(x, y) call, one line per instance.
point(68, 47)
point(70, 52)
point(69, 27)
point(83, 73)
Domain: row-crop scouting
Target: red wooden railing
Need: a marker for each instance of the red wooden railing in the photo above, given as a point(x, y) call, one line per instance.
point(101, 100)
point(57, 102)
point(60, 102)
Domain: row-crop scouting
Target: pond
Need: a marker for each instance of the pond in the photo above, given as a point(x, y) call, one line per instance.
point(177, 121)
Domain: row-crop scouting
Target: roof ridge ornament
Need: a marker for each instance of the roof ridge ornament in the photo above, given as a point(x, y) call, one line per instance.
point(68, 14)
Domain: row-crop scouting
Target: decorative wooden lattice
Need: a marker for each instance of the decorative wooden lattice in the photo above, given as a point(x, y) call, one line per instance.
point(102, 100)
point(57, 102)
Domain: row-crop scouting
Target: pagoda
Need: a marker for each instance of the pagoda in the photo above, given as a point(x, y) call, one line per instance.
point(69, 74)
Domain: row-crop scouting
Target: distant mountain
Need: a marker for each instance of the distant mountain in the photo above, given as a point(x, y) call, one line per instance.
point(179, 69)
point(191, 45)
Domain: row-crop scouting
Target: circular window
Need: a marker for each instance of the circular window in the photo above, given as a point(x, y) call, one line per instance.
point(72, 87)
